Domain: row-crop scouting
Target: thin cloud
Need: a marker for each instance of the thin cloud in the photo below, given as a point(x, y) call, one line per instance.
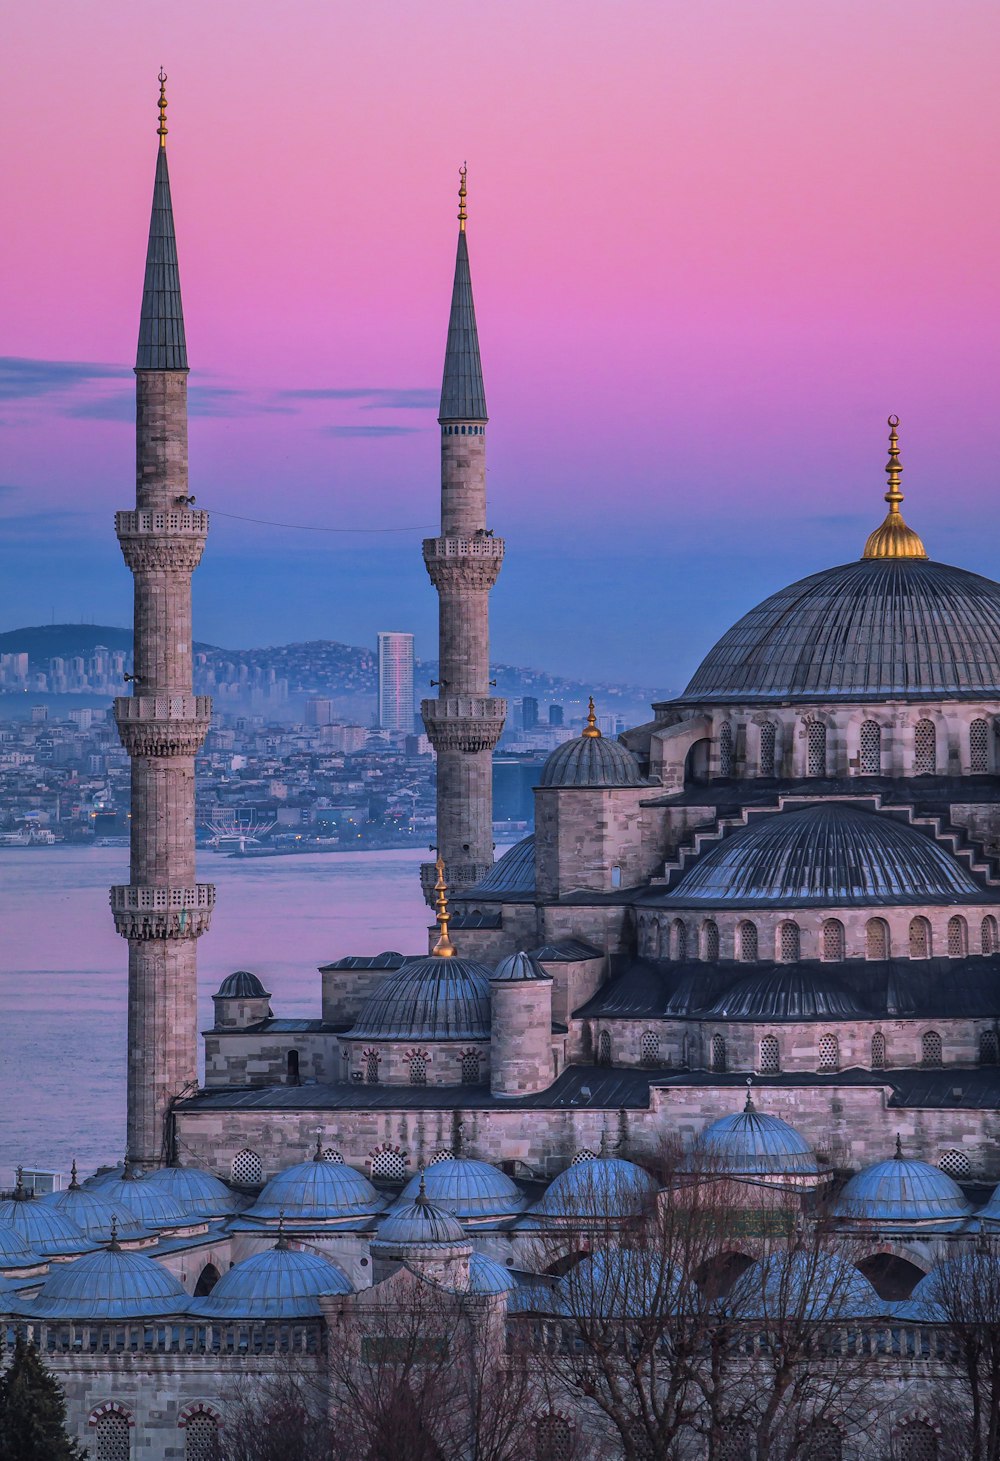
point(371, 430)
point(22, 379)
point(374, 398)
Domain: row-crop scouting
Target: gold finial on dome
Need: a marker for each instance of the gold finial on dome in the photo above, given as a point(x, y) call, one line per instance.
point(893, 538)
point(161, 130)
point(444, 948)
point(591, 730)
point(463, 193)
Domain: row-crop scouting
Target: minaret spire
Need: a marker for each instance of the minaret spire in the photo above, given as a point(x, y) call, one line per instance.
point(162, 345)
point(464, 723)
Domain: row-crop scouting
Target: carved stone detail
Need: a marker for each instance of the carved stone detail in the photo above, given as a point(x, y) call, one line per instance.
point(163, 725)
point(162, 541)
point(464, 722)
point(162, 913)
point(464, 563)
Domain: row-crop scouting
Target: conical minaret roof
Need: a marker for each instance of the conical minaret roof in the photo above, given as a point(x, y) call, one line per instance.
point(463, 397)
point(161, 325)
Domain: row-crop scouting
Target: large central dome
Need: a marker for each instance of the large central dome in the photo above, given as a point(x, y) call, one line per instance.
point(878, 628)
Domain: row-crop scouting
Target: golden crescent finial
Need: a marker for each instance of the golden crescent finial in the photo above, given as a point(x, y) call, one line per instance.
point(463, 193)
point(161, 130)
point(444, 948)
point(591, 729)
point(893, 538)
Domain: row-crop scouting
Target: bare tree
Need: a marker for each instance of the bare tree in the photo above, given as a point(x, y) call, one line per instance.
point(280, 1416)
point(963, 1296)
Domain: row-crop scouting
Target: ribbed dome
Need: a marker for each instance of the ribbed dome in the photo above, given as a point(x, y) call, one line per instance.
point(94, 1215)
point(518, 968)
point(467, 1189)
point(242, 985)
point(428, 999)
point(590, 761)
point(280, 1283)
point(989, 1214)
point(487, 1276)
point(44, 1229)
point(618, 1283)
point(110, 1284)
point(901, 1191)
point(317, 1191)
point(512, 873)
point(599, 1187)
point(752, 1144)
point(951, 1288)
point(146, 1201)
point(417, 1220)
point(788, 993)
point(14, 1250)
point(807, 1285)
point(880, 627)
point(826, 854)
point(197, 1192)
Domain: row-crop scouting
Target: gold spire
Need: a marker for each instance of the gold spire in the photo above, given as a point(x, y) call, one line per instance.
point(893, 539)
point(463, 192)
point(591, 730)
point(162, 128)
point(444, 948)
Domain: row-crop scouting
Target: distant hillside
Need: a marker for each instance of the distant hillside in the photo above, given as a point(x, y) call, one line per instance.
point(49, 641)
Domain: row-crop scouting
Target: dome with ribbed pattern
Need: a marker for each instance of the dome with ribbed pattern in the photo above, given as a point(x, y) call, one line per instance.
point(750, 1143)
point(428, 999)
point(901, 1190)
point(317, 1191)
point(280, 1283)
point(467, 1189)
point(109, 1284)
point(194, 1190)
point(591, 761)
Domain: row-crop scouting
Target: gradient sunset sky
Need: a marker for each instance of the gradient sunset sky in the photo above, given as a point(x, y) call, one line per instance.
point(713, 246)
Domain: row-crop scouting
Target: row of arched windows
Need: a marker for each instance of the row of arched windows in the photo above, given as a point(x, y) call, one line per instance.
point(418, 1062)
point(915, 1439)
point(112, 1425)
point(682, 944)
point(926, 760)
point(931, 1052)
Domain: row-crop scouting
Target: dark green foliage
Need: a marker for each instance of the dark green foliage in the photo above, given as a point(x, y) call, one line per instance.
point(33, 1412)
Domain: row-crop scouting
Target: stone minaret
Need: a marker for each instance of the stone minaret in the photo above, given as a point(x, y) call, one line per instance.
point(465, 721)
point(162, 724)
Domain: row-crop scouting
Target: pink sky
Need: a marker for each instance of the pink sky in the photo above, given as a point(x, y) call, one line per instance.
point(713, 246)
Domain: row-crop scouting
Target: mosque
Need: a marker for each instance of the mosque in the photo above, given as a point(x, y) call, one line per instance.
point(787, 878)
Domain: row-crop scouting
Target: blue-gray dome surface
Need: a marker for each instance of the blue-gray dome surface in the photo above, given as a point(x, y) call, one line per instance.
point(15, 1252)
point(487, 1276)
point(109, 1284)
point(317, 1191)
point(518, 968)
point(280, 1283)
point(417, 1220)
point(791, 992)
point(591, 761)
point(467, 1189)
point(828, 854)
point(991, 1212)
point(94, 1215)
point(45, 1230)
point(598, 1187)
point(619, 1283)
point(751, 1143)
point(196, 1191)
point(903, 627)
point(242, 985)
point(810, 1285)
point(514, 872)
point(435, 998)
point(901, 1190)
point(147, 1202)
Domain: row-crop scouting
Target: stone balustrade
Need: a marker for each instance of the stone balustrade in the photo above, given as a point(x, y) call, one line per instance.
point(151, 913)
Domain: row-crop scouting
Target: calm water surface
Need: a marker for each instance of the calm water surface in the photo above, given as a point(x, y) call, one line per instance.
point(63, 972)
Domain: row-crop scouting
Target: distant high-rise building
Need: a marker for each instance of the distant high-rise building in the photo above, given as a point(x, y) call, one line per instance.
point(555, 715)
point(529, 713)
point(319, 710)
point(39, 713)
point(395, 682)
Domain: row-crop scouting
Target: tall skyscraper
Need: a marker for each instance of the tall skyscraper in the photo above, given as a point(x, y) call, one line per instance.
point(395, 682)
point(162, 911)
point(555, 715)
point(529, 713)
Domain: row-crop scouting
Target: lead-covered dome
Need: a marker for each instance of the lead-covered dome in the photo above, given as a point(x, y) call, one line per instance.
point(435, 998)
point(825, 854)
point(590, 761)
point(751, 1143)
point(242, 985)
point(280, 1283)
point(43, 1228)
point(467, 1189)
point(317, 1191)
point(806, 1285)
point(791, 993)
point(598, 1187)
point(196, 1191)
point(900, 1190)
point(109, 1284)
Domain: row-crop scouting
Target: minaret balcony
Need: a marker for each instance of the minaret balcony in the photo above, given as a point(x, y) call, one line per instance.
point(162, 541)
point(468, 723)
point(162, 913)
point(163, 725)
point(460, 875)
point(464, 563)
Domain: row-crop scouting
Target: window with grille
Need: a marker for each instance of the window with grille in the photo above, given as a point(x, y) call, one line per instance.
point(930, 1048)
point(770, 1062)
point(583, 1155)
point(113, 1439)
point(247, 1168)
point(979, 757)
point(735, 1443)
point(726, 750)
point(746, 941)
point(767, 743)
point(649, 1048)
point(370, 1059)
point(470, 1067)
point(389, 1162)
point(604, 1048)
point(816, 748)
point(444, 1155)
point(878, 1051)
point(877, 938)
point(829, 1052)
point(553, 1439)
point(418, 1069)
point(823, 1442)
point(331, 1155)
point(957, 1165)
point(870, 747)
point(789, 942)
point(958, 938)
point(916, 1441)
point(719, 1054)
point(678, 940)
point(833, 939)
point(989, 935)
point(710, 940)
point(989, 1048)
point(924, 748)
point(920, 938)
point(201, 1439)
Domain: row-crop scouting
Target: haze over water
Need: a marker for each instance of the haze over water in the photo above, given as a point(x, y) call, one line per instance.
point(63, 973)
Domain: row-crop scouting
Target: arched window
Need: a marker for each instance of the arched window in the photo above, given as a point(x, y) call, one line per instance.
point(653, 935)
point(823, 1442)
point(916, 1440)
point(726, 749)
point(833, 943)
point(388, 1162)
point(829, 1052)
point(870, 748)
point(207, 1279)
point(767, 745)
point(418, 1067)
point(247, 1168)
point(789, 942)
point(979, 755)
point(371, 1059)
point(770, 1062)
point(878, 1051)
point(710, 940)
point(876, 939)
point(924, 748)
point(470, 1067)
point(649, 1048)
point(553, 1439)
point(292, 1067)
point(989, 1047)
point(956, 1165)
point(746, 941)
point(991, 942)
point(930, 1048)
point(719, 1054)
point(678, 940)
point(920, 938)
point(604, 1048)
point(958, 938)
point(112, 1433)
point(201, 1438)
point(816, 748)
point(330, 1154)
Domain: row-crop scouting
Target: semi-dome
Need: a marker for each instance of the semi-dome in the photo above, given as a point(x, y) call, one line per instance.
point(417, 1220)
point(317, 1191)
point(196, 1191)
point(43, 1228)
point(145, 1201)
point(280, 1283)
point(751, 1143)
point(518, 967)
point(513, 873)
point(94, 1215)
point(109, 1284)
point(467, 1189)
point(590, 760)
point(242, 985)
point(806, 1285)
point(791, 992)
point(827, 854)
point(435, 998)
point(598, 1187)
point(902, 1191)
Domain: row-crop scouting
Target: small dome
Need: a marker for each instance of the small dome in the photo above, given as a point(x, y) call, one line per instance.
point(518, 967)
point(618, 1283)
point(487, 1276)
point(242, 985)
point(436, 998)
point(94, 1215)
point(951, 1287)
point(317, 1191)
point(467, 1189)
point(195, 1191)
point(417, 1220)
point(792, 992)
point(514, 872)
point(43, 1228)
point(109, 1284)
point(991, 1212)
point(146, 1201)
point(591, 761)
point(826, 854)
point(14, 1250)
point(900, 1190)
point(599, 1187)
point(751, 1144)
point(807, 1285)
point(280, 1283)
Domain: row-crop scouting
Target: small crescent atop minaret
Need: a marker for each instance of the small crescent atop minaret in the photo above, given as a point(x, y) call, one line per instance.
point(463, 193)
point(161, 130)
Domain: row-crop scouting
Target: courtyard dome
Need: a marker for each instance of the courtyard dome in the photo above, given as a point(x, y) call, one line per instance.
point(598, 1187)
point(467, 1189)
point(618, 1283)
point(43, 1228)
point(828, 854)
point(590, 760)
point(14, 1250)
point(752, 1144)
point(109, 1284)
point(792, 992)
point(518, 967)
point(197, 1192)
point(144, 1200)
point(242, 985)
point(487, 1276)
point(94, 1215)
point(417, 1220)
point(436, 998)
point(989, 1214)
point(806, 1285)
point(317, 1191)
point(901, 1191)
point(280, 1283)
